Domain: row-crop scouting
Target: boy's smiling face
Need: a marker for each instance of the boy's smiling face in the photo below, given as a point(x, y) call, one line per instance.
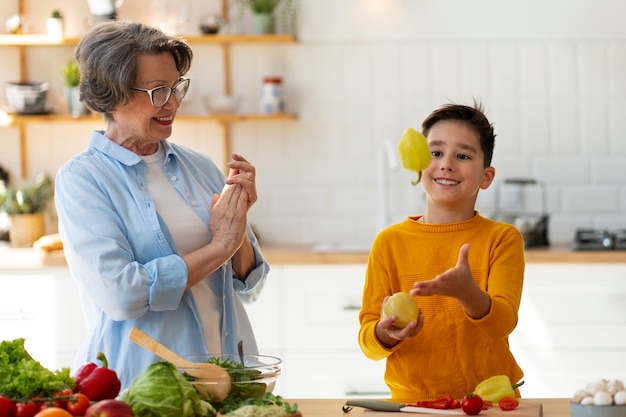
point(456, 172)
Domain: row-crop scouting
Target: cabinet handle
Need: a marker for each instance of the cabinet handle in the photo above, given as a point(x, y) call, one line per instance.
point(351, 308)
point(13, 315)
point(367, 393)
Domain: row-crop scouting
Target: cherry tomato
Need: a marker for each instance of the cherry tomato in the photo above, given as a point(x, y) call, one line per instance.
point(78, 404)
point(61, 398)
point(28, 409)
point(472, 404)
point(6, 407)
point(508, 403)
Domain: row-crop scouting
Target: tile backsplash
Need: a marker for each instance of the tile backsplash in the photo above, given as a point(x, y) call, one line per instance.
point(363, 71)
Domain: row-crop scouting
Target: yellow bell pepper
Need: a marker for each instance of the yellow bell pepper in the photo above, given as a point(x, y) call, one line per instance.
point(414, 152)
point(496, 388)
point(403, 306)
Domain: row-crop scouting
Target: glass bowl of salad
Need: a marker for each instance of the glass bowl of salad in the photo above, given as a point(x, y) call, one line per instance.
point(253, 378)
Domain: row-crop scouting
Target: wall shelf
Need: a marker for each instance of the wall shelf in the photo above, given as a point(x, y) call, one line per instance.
point(23, 41)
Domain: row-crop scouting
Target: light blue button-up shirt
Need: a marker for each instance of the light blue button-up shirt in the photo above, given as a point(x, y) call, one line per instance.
point(123, 259)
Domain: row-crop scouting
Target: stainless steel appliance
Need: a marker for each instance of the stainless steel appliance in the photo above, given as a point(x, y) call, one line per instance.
point(599, 239)
point(522, 202)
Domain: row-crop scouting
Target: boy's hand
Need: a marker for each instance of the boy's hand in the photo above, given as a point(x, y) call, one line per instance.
point(459, 283)
point(389, 335)
point(455, 282)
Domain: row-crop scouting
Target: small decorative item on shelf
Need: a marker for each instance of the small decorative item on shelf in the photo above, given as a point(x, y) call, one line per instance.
point(272, 96)
point(264, 13)
point(26, 210)
point(72, 78)
point(55, 25)
point(211, 25)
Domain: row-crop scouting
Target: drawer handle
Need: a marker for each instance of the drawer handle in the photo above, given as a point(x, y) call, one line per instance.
point(367, 394)
point(351, 308)
point(13, 315)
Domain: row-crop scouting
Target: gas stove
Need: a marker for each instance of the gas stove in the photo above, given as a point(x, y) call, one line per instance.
point(599, 239)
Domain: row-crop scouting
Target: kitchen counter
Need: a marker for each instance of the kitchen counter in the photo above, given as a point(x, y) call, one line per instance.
point(552, 407)
point(29, 258)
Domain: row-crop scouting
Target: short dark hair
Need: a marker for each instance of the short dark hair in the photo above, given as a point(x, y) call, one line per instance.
point(107, 61)
point(474, 117)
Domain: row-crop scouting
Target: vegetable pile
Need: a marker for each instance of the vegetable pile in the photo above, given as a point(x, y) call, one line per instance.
point(28, 389)
point(603, 392)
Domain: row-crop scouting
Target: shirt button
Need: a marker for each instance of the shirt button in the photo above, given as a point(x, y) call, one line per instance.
point(173, 178)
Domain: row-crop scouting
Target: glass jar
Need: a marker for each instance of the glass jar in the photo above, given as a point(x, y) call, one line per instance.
point(271, 100)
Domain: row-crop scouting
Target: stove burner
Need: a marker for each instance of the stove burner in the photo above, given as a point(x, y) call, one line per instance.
point(596, 239)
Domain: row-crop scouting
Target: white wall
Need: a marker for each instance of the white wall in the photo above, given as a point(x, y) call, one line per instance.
point(552, 76)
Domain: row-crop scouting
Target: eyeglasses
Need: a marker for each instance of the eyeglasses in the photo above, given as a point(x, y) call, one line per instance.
point(160, 95)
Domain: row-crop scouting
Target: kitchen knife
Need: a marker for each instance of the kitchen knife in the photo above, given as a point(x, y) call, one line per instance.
point(382, 405)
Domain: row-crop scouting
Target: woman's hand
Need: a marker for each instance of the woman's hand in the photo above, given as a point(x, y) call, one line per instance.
point(228, 219)
point(243, 173)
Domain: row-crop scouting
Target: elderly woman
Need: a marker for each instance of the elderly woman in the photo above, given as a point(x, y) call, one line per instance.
point(154, 234)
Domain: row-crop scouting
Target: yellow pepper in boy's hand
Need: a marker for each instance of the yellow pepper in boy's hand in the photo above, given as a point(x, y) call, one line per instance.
point(495, 388)
point(414, 152)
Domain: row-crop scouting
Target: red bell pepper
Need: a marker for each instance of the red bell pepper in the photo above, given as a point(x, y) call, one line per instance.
point(442, 403)
point(97, 382)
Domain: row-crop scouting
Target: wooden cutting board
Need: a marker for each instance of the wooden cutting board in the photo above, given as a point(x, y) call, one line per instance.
point(524, 410)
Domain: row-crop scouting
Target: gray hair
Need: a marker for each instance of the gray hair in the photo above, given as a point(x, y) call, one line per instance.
point(107, 62)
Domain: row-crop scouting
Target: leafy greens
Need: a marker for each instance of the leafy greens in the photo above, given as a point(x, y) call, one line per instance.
point(22, 377)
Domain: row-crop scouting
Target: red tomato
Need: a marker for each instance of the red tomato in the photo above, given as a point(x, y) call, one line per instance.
point(508, 403)
point(28, 409)
point(472, 404)
point(78, 404)
point(6, 407)
point(61, 398)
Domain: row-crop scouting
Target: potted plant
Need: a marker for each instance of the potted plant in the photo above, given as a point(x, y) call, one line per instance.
point(264, 13)
point(25, 207)
point(55, 24)
point(71, 74)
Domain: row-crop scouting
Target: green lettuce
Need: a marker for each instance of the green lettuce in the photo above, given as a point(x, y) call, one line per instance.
point(162, 391)
point(22, 377)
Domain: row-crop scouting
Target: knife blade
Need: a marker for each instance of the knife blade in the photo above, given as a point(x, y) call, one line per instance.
point(382, 405)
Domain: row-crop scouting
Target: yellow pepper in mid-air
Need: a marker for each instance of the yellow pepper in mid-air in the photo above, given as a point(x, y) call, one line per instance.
point(496, 388)
point(414, 152)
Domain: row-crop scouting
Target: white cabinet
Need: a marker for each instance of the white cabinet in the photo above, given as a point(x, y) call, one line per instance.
point(315, 321)
point(42, 306)
point(572, 327)
point(571, 330)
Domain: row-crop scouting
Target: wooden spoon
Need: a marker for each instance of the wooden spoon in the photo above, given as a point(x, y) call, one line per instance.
point(214, 378)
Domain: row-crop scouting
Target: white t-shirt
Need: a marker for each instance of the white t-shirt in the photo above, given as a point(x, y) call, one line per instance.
point(189, 233)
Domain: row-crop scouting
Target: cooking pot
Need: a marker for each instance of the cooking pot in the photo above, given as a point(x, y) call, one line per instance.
point(26, 97)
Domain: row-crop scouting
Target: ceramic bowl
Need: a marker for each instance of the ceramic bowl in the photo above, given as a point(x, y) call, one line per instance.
point(252, 379)
point(26, 97)
point(222, 104)
point(580, 410)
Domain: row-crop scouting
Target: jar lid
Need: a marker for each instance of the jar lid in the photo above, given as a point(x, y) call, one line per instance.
point(272, 80)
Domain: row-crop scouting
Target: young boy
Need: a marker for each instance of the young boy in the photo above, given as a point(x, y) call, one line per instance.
point(464, 271)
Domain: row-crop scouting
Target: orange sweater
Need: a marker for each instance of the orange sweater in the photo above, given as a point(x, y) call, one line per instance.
point(453, 352)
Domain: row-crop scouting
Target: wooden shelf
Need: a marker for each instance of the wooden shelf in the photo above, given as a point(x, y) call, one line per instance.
point(19, 120)
point(45, 40)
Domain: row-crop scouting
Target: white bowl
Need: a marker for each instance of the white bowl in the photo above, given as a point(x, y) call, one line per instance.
point(223, 104)
point(584, 410)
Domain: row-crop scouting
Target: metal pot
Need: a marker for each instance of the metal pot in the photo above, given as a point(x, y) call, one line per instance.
point(26, 97)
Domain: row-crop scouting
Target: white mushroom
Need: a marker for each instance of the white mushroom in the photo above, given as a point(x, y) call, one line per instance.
point(595, 387)
point(602, 398)
point(614, 385)
point(587, 401)
point(620, 397)
point(579, 395)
